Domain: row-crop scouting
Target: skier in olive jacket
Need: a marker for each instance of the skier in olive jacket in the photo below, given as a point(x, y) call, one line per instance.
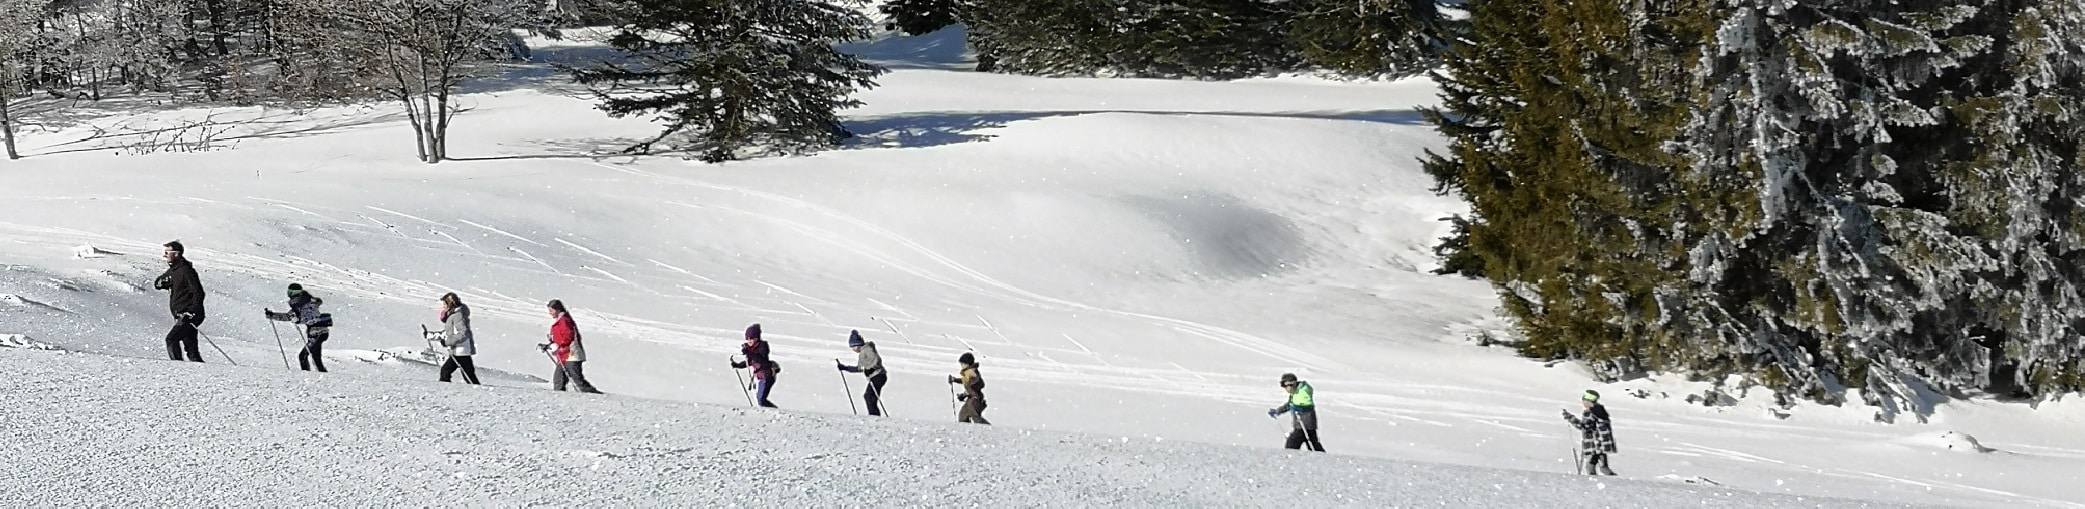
point(973, 396)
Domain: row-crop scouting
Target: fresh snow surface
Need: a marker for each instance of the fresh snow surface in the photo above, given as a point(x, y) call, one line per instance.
point(1134, 261)
point(139, 432)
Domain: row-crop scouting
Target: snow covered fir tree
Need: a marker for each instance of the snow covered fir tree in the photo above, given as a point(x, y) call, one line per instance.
point(1207, 253)
point(1812, 195)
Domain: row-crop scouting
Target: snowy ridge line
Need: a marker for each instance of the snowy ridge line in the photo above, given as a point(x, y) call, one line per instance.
point(1234, 338)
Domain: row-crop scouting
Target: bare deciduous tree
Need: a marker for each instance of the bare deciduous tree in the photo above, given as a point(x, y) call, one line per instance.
point(414, 52)
point(18, 32)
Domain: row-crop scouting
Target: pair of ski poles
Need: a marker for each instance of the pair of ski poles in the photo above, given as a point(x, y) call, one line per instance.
point(885, 409)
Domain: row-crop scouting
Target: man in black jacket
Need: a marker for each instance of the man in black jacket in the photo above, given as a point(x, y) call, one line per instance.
point(185, 299)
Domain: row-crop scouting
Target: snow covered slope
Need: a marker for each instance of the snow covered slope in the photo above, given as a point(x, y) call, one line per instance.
point(136, 433)
point(1134, 258)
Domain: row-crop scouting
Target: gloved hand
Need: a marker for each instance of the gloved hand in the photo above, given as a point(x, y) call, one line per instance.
point(962, 397)
point(543, 346)
point(837, 365)
point(268, 312)
point(1275, 413)
point(1567, 414)
point(954, 380)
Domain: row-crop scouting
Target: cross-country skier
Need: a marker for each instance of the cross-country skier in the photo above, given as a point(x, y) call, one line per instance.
point(1302, 406)
point(569, 355)
point(870, 365)
point(456, 336)
point(973, 396)
point(304, 310)
point(185, 299)
point(1595, 431)
point(764, 369)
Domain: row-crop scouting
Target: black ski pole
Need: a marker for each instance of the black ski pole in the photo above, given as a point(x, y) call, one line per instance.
point(879, 397)
point(278, 344)
point(741, 382)
point(848, 388)
point(952, 400)
point(560, 368)
point(213, 345)
point(448, 356)
point(1577, 451)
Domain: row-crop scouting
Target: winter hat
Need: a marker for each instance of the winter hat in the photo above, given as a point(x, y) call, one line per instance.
point(296, 289)
point(1288, 378)
point(753, 332)
point(854, 339)
point(176, 246)
point(967, 359)
point(1591, 396)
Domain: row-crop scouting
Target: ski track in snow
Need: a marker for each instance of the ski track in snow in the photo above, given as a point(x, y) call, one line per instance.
point(292, 206)
point(501, 232)
point(584, 249)
point(684, 272)
point(407, 216)
point(718, 298)
point(455, 240)
point(605, 273)
point(384, 225)
point(533, 258)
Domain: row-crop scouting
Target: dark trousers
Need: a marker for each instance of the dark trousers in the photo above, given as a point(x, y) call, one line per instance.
point(973, 411)
point(180, 340)
point(1596, 464)
point(761, 387)
point(1301, 437)
point(470, 371)
point(874, 395)
point(571, 372)
point(309, 357)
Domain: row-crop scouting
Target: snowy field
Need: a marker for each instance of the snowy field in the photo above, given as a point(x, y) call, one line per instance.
point(1133, 261)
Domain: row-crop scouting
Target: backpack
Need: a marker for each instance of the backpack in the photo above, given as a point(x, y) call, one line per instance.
point(774, 367)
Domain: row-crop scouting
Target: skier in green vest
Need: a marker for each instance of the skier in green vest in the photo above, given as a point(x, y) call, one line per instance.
point(1304, 408)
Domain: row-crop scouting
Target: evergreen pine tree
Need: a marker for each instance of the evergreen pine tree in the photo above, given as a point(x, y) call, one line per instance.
point(1815, 195)
point(917, 17)
point(1914, 221)
point(1366, 37)
point(733, 77)
point(1143, 38)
